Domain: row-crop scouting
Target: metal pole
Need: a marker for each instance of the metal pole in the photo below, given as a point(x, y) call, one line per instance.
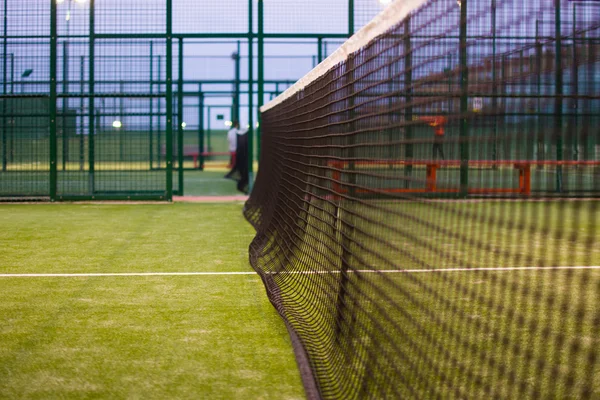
point(159, 114)
point(320, 50)
point(201, 126)
point(11, 131)
point(464, 103)
point(180, 120)
point(540, 138)
point(121, 118)
point(208, 149)
point(5, 89)
point(81, 114)
point(261, 72)
point(573, 134)
point(92, 106)
point(65, 103)
point(236, 96)
point(251, 95)
point(151, 126)
point(350, 17)
point(408, 111)
point(494, 86)
point(169, 100)
point(558, 118)
point(53, 96)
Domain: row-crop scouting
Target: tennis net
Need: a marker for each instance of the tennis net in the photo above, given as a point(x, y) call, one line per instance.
point(426, 205)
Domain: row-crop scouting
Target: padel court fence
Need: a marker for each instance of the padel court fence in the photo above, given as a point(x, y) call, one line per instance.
point(412, 227)
point(94, 100)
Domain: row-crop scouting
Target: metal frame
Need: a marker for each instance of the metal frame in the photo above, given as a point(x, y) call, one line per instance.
point(255, 37)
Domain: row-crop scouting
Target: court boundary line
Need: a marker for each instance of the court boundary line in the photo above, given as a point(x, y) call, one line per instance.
point(394, 271)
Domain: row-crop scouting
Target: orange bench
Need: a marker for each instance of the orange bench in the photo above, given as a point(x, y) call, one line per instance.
point(432, 166)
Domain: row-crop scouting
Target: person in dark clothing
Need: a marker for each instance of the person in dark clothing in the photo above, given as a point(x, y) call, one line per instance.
point(241, 164)
point(437, 123)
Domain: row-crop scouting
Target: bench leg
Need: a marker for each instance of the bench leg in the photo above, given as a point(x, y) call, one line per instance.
point(525, 179)
point(431, 177)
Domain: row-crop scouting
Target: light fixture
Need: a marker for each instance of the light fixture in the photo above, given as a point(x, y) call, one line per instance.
point(183, 125)
point(60, 1)
point(385, 2)
point(117, 124)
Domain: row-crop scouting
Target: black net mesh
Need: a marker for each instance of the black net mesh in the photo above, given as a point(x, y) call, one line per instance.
point(426, 209)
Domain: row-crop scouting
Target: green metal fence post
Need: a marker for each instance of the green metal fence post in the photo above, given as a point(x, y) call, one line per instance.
point(180, 120)
point(92, 106)
point(11, 128)
point(5, 89)
point(65, 104)
point(319, 50)
point(169, 101)
point(408, 111)
point(539, 137)
point(201, 126)
point(494, 85)
point(558, 104)
point(53, 97)
point(589, 137)
point(159, 113)
point(464, 102)
point(261, 72)
point(573, 134)
point(151, 117)
point(350, 17)
point(209, 130)
point(81, 114)
point(122, 120)
point(235, 114)
point(251, 94)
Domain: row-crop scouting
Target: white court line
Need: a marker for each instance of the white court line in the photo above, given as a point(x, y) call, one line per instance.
point(85, 275)
point(394, 271)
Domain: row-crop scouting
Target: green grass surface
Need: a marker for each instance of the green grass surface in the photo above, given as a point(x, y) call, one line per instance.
point(195, 337)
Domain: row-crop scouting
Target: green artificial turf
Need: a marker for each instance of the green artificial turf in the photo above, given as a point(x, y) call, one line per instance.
point(209, 183)
point(214, 336)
